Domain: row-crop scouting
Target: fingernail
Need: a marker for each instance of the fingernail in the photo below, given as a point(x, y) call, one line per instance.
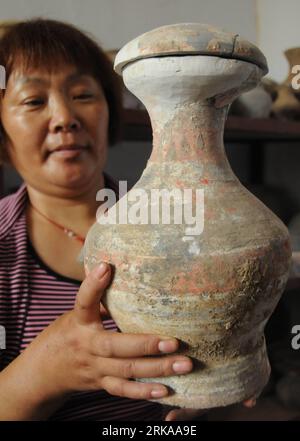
point(101, 270)
point(167, 346)
point(159, 392)
point(182, 366)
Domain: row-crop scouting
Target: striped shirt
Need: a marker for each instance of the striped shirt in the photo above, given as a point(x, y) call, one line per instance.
point(31, 296)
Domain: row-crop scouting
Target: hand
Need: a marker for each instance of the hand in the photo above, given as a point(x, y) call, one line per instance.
point(75, 353)
point(194, 414)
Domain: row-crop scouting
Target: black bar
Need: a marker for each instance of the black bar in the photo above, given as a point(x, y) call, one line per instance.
point(289, 430)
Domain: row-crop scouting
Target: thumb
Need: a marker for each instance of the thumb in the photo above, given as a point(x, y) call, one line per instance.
point(90, 292)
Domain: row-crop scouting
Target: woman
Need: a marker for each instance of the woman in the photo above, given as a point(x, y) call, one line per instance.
point(59, 112)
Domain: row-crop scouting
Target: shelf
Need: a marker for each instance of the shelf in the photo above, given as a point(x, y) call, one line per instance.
point(237, 129)
point(267, 409)
point(264, 129)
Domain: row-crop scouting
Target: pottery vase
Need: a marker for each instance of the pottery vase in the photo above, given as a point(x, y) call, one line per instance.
point(255, 103)
point(293, 57)
point(214, 282)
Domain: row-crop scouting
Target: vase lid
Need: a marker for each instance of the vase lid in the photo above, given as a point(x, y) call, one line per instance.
point(189, 39)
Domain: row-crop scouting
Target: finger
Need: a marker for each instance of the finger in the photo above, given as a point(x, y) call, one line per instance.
point(146, 367)
point(90, 292)
point(184, 414)
point(133, 389)
point(250, 403)
point(118, 345)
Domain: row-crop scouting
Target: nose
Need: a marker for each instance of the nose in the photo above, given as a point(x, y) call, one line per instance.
point(63, 118)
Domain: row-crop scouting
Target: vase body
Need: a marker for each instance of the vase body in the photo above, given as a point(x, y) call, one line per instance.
point(214, 284)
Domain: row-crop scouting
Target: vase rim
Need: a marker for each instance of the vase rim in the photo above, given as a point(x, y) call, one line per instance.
point(189, 39)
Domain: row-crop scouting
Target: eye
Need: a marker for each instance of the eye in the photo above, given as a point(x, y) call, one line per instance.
point(83, 96)
point(34, 102)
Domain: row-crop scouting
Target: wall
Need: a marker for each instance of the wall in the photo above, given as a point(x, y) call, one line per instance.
point(277, 30)
point(114, 22)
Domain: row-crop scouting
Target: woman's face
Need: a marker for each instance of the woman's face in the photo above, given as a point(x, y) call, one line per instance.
point(56, 126)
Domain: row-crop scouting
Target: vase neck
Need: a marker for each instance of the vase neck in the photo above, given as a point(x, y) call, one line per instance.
point(187, 98)
point(193, 132)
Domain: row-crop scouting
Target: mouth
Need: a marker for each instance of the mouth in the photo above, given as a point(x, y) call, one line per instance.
point(68, 150)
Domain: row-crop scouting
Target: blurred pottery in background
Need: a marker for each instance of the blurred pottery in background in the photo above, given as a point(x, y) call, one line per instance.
point(270, 86)
point(293, 57)
point(287, 103)
point(256, 103)
point(5, 25)
point(286, 106)
point(214, 287)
